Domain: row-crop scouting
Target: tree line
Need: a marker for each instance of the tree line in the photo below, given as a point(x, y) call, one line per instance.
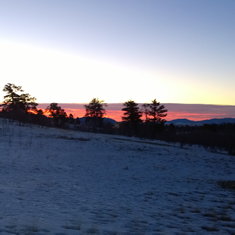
point(21, 106)
point(145, 121)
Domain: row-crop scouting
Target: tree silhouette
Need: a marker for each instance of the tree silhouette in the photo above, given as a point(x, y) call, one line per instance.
point(38, 118)
point(95, 108)
point(131, 118)
point(53, 109)
point(57, 113)
point(16, 105)
point(77, 121)
point(71, 118)
point(146, 111)
point(131, 112)
point(63, 118)
point(95, 112)
point(13, 101)
point(157, 112)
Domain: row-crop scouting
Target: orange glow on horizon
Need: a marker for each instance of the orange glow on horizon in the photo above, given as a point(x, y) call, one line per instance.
point(117, 115)
point(114, 114)
point(171, 115)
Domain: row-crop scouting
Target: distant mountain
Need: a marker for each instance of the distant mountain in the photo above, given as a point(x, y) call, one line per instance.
point(181, 122)
point(198, 123)
point(106, 120)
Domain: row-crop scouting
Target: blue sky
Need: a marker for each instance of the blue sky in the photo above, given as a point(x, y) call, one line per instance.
point(177, 51)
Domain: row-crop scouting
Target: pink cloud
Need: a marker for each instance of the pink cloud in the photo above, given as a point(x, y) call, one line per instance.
point(194, 112)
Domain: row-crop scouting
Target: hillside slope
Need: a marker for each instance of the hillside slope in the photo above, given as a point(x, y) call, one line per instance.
point(55, 181)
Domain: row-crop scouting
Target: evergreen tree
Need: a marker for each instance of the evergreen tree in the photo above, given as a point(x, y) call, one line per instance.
point(71, 119)
point(53, 109)
point(77, 121)
point(57, 113)
point(95, 112)
point(157, 112)
point(62, 118)
point(95, 109)
point(146, 111)
point(132, 118)
point(13, 101)
point(131, 112)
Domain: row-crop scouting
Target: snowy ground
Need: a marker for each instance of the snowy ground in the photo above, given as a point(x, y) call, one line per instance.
point(62, 182)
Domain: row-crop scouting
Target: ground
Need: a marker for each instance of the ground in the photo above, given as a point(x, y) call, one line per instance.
point(62, 182)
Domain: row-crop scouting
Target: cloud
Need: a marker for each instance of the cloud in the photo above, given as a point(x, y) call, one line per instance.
point(175, 111)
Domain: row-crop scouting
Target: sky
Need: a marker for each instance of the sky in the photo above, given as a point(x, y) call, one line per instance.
point(194, 112)
point(176, 51)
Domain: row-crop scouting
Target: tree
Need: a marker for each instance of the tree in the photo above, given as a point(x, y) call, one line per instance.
point(146, 111)
point(53, 109)
point(57, 113)
point(132, 117)
point(38, 118)
point(13, 101)
point(27, 103)
point(16, 105)
point(71, 118)
point(62, 118)
point(157, 112)
point(131, 112)
point(77, 121)
point(95, 112)
point(95, 108)
point(39, 112)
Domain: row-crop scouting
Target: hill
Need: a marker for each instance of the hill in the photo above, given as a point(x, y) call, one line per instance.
point(209, 121)
point(106, 120)
point(57, 181)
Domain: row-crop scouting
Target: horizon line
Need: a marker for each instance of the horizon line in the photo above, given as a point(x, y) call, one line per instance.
point(136, 102)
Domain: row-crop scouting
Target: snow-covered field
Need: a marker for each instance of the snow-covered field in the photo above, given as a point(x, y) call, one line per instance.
point(55, 181)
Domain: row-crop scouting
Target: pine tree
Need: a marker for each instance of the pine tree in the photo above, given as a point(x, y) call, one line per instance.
point(157, 112)
point(146, 111)
point(13, 101)
point(132, 118)
point(95, 112)
point(57, 113)
point(131, 112)
point(71, 118)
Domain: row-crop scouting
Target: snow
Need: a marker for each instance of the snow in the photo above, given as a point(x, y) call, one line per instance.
point(55, 181)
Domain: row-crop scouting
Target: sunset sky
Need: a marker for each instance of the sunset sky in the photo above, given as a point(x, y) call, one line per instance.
point(176, 51)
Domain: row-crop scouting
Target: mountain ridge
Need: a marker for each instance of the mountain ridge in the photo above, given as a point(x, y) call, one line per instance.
point(202, 122)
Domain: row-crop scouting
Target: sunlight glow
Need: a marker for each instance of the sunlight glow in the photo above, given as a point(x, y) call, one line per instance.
point(51, 76)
